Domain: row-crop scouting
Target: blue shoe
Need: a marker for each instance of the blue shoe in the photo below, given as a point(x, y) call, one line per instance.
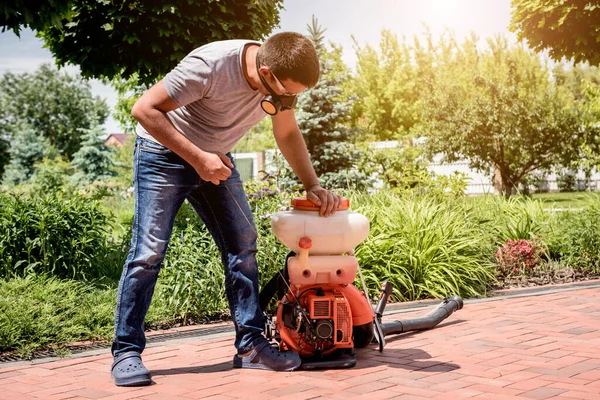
point(265, 356)
point(128, 370)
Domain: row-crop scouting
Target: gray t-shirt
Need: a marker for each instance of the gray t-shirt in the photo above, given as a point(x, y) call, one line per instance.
point(218, 106)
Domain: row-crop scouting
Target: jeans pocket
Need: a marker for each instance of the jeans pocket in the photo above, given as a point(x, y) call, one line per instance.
point(152, 147)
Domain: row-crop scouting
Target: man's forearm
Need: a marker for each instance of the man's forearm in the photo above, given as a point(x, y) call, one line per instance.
point(157, 124)
point(294, 150)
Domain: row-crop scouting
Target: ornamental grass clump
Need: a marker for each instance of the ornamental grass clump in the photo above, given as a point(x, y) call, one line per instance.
point(426, 247)
point(518, 257)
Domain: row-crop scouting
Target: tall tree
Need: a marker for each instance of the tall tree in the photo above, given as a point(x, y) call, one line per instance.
point(27, 148)
point(566, 28)
point(500, 111)
point(34, 14)
point(54, 104)
point(584, 82)
point(323, 120)
point(109, 39)
point(386, 85)
point(576, 78)
point(93, 160)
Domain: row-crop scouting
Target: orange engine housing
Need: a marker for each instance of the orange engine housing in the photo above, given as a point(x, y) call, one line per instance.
point(332, 315)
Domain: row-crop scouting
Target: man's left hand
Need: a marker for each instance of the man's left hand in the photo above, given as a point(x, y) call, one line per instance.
point(325, 199)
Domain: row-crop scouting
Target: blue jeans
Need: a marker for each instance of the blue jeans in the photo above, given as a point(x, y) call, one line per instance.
point(162, 181)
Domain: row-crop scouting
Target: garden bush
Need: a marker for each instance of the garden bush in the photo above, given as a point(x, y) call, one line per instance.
point(514, 218)
point(191, 279)
point(424, 246)
point(518, 257)
point(54, 233)
point(576, 238)
point(39, 311)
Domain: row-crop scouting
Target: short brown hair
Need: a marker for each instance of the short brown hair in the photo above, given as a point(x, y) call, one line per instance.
point(290, 55)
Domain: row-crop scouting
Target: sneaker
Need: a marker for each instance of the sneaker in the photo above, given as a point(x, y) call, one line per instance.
point(128, 370)
point(265, 356)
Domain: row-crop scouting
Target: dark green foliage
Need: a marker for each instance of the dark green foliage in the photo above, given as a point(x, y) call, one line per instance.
point(62, 235)
point(576, 239)
point(266, 199)
point(565, 28)
point(499, 110)
point(51, 175)
point(4, 155)
point(148, 38)
point(38, 311)
point(566, 181)
point(401, 168)
point(192, 281)
point(425, 247)
point(27, 148)
point(56, 105)
point(34, 14)
point(93, 160)
point(323, 118)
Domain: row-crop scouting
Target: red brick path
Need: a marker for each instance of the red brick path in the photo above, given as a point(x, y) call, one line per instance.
point(536, 347)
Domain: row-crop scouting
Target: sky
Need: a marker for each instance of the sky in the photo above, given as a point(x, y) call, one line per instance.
point(343, 19)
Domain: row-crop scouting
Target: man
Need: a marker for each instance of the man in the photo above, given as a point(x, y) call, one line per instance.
point(188, 123)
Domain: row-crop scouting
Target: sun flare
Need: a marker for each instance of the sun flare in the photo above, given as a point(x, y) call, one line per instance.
point(440, 14)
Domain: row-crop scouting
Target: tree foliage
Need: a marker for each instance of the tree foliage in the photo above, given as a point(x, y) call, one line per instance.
point(34, 14)
point(499, 109)
point(324, 119)
point(55, 105)
point(93, 160)
point(148, 38)
point(27, 148)
point(566, 28)
point(386, 85)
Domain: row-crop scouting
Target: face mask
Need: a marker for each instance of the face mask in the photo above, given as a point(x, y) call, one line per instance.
point(273, 103)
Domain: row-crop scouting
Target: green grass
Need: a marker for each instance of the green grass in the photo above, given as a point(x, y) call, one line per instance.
point(39, 312)
point(121, 210)
point(558, 200)
point(563, 200)
point(426, 248)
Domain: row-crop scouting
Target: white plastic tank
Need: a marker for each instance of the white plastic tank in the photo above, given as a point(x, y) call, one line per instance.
point(333, 235)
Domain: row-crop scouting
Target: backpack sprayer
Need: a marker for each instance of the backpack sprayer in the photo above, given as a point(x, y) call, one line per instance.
point(321, 314)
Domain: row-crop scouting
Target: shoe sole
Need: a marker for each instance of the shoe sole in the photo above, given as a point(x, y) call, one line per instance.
point(237, 363)
point(265, 368)
point(140, 381)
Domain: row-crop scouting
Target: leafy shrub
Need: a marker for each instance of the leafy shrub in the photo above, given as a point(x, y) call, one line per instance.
point(59, 234)
point(266, 199)
point(576, 239)
point(513, 218)
point(517, 257)
point(424, 247)
point(37, 311)
point(566, 181)
point(192, 281)
point(51, 174)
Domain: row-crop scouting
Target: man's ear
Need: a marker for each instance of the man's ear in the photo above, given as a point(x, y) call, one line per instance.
point(264, 70)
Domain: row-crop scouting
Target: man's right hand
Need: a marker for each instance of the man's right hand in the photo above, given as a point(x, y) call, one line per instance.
point(214, 167)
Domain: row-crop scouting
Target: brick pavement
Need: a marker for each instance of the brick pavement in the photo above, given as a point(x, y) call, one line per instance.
point(534, 347)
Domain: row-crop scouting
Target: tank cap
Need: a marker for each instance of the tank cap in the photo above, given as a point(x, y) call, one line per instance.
point(302, 203)
point(305, 243)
